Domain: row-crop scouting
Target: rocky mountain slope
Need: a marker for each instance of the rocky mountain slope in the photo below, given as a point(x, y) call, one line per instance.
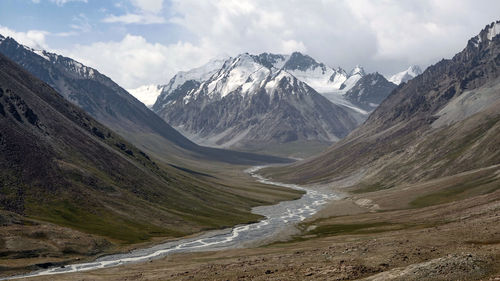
point(405, 75)
point(251, 99)
point(442, 122)
point(59, 165)
point(115, 107)
point(369, 91)
point(267, 99)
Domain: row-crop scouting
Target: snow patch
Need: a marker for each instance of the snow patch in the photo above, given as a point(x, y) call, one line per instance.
point(493, 31)
point(321, 78)
point(42, 54)
point(405, 75)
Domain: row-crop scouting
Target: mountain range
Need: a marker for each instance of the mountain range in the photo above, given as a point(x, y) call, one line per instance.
point(441, 123)
point(253, 102)
point(113, 106)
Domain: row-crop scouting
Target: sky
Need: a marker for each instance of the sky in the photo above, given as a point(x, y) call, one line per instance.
point(138, 42)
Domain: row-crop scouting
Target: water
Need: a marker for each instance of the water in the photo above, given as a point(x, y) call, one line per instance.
point(277, 218)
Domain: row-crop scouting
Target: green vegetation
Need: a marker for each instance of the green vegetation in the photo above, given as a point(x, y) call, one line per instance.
point(371, 188)
point(461, 190)
point(298, 149)
point(99, 222)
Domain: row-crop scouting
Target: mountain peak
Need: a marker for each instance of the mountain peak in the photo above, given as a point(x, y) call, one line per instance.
point(486, 35)
point(414, 70)
point(357, 70)
point(298, 61)
point(493, 30)
point(405, 75)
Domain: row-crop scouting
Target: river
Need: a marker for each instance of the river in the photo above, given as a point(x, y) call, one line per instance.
point(277, 218)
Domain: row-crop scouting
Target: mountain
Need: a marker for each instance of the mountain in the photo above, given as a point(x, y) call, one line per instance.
point(443, 122)
point(254, 101)
point(61, 166)
point(198, 74)
point(369, 91)
point(320, 77)
point(405, 75)
point(147, 94)
point(113, 106)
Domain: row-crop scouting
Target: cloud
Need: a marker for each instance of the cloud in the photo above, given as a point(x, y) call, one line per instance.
point(147, 12)
point(81, 23)
point(62, 2)
point(32, 38)
point(134, 19)
point(150, 6)
point(382, 35)
point(133, 61)
point(318, 28)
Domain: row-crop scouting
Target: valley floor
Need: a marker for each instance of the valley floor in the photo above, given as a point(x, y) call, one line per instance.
point(383, 235)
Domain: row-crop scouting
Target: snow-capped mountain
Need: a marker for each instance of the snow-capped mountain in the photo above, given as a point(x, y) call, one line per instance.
point(147, 94)
point(261, 99)
point(320, 77)
point(405, 75)
point(370, 91)
point(116, 108)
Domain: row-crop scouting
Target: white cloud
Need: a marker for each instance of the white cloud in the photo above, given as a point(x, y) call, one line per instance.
point(147, 12)
point(133, 61)
point(149, 6)
point(32, 38)
point(383, 35)
point(62, 2)
point(81, 23)
point(134, 18)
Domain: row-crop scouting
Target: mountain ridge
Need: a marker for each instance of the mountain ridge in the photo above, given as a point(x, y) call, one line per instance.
point(242, 102)
point(397, 143)
point(116, 108)
point(249, 75)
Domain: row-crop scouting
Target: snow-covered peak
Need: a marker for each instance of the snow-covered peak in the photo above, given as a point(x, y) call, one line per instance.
point(198, 74)
point(319, 76)
point(147, 94)
point(354, 75)
point(298, 61)
point(42, 53)
point(243, 69)
point(357, 70)
point(488, 33)
point(405, 75)
point(493, 30)
point(272, 60)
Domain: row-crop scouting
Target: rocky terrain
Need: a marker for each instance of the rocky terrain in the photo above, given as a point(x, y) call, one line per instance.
point(369, 91)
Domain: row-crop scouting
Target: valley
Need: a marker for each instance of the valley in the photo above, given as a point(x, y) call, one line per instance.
point(223, 141)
